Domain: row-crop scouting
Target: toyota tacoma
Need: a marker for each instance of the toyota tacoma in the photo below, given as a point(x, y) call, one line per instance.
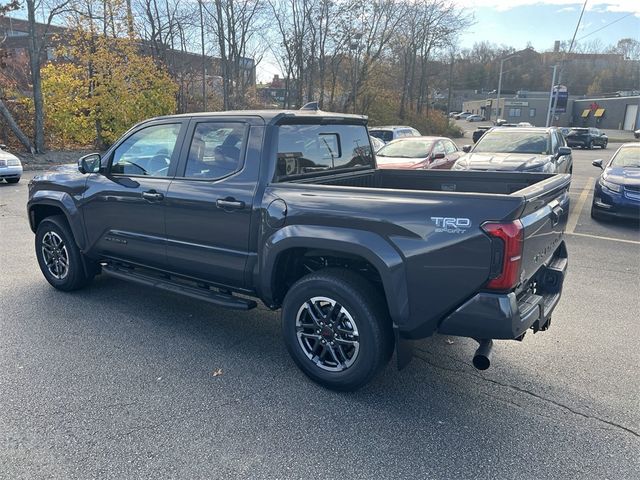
point(288, 208)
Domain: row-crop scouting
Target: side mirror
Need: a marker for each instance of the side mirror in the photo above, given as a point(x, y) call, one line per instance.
point(597, 163)
point(562, 151)
point(466, 148)
point(3, 146)
point(89, 163)
point(437, 156)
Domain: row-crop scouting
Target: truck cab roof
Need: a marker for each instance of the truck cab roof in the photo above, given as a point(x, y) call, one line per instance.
point(273, 117)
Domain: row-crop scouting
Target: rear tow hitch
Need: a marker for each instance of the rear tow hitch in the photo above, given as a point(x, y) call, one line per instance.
point(482, 357)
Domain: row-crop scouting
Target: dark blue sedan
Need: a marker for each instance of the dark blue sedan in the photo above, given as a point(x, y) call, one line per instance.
point(617, 191)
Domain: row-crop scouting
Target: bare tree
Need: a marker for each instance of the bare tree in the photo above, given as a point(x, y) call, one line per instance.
point(37, 45)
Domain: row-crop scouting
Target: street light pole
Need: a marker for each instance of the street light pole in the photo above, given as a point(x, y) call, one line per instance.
point(553, 82)
point(500, 82)
point(499, 89)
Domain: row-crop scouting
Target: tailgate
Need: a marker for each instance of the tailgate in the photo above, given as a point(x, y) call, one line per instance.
point(544, 218)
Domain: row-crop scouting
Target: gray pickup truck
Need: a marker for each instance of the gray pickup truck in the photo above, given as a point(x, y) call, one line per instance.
point(288, 207)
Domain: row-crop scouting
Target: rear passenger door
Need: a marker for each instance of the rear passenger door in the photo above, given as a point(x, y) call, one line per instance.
point(209, 202)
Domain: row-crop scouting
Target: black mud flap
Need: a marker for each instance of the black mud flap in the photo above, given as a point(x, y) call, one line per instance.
point(404, 350)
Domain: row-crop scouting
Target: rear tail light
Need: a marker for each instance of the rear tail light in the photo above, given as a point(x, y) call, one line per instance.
point(506, 253)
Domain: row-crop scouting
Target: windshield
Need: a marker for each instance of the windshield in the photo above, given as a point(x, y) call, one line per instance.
point(512, 141)
point(406, 149)
point(384, 135)
point(627, 157)
point(578, 131)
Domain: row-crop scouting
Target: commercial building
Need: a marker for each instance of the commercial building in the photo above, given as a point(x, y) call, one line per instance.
point(618, 113)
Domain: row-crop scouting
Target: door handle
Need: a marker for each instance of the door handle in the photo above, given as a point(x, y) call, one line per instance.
point(152, 196)
point(229, 204)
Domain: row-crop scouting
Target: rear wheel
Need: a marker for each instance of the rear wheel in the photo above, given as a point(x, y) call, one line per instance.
point(58, 255)
point(12, 180)
point(337, 329)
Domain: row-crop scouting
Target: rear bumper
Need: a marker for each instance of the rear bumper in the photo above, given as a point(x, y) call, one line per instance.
point(504, 316)
point(578, 142)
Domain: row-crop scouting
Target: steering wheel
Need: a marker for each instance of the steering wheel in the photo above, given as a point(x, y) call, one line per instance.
point(159, 163)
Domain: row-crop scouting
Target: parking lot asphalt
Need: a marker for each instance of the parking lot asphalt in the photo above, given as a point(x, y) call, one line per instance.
point(117, 381)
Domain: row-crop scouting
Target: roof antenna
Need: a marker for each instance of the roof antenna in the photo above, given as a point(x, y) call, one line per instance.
point(310, 106)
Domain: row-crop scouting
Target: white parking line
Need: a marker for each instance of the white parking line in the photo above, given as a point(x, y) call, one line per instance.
point(574, 214)
point(598, 237)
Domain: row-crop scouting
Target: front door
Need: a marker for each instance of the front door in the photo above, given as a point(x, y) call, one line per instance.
point(210, 202)
point(124, 207)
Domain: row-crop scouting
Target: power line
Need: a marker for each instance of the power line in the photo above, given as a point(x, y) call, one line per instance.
point(607, 25)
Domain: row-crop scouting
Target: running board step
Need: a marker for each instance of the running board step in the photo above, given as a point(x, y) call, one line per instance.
point(217, 298)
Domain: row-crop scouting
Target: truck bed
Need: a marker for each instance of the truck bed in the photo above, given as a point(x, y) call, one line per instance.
point(433, 180)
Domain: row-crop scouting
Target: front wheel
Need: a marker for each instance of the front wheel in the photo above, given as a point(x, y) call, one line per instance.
point(58, 255)
point(337, 329)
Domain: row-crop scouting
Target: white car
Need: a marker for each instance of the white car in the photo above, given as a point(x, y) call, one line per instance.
point(475, 118)
point(10, 166)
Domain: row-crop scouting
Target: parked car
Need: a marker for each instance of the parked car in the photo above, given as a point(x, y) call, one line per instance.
point(637, 133)
point(519, 149)
point(461, 115)
point(422, 153)
point(10, 166)
point(453, 114)
point(393, 132)
point(478, 132)
point(617, 191)
point(376, 143)
point(587, 138)
point(475, 118)
point(292, 211)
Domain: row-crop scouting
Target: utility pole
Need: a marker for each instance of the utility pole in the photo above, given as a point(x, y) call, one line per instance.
point(450, 82)
point(204, 65)
point(553, 83)
point(500, 83)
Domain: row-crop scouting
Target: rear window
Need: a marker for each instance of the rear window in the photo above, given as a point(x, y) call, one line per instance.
point(305, 150)
point(579, 131)
point(384, 135)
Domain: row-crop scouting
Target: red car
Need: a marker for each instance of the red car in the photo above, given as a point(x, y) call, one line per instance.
point(418, 153)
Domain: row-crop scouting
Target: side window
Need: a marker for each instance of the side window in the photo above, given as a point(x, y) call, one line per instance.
point(449, 147)
point(306, 149)
point(438, 148)
point(215, 150)
point(147, 151)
